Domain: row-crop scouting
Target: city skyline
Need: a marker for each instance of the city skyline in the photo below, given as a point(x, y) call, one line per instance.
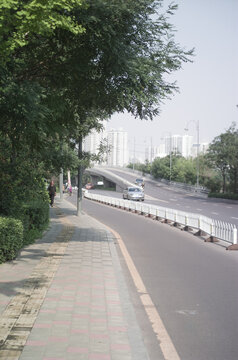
point(121, 154)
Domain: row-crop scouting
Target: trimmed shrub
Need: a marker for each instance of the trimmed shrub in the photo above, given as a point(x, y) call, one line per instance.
point(35, 219)
point(11, 238)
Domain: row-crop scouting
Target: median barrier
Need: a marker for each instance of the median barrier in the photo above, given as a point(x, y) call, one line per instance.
point(214, 229)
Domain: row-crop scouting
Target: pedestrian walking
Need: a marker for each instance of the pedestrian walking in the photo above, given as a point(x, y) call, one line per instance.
point(70, 190)
point(52, 192)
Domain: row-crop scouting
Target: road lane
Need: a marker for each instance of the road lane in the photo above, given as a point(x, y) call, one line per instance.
point(192, 284)
point(193, 206)
point(160, 194)
point(166, 345)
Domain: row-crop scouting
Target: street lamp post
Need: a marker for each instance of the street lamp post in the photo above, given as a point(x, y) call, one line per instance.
point(134, 153)
point(198, 146)
point(170, 156)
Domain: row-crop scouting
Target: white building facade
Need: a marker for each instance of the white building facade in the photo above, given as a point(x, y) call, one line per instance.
point(151, 153)
point(92, 142)
point(179, 145)
point(116, 142)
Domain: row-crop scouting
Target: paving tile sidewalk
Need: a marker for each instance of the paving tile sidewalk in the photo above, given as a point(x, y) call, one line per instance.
point(68, 298)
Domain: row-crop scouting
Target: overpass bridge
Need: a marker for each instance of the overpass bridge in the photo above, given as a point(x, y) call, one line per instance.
point(109, 178)
point(98, 173)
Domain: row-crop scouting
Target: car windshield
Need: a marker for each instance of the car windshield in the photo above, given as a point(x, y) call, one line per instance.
point(139, 180)
point(134, 190)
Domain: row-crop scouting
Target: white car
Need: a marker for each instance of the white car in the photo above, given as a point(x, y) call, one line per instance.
point(133, 193)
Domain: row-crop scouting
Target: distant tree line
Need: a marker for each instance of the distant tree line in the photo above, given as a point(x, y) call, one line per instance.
point(218, 168)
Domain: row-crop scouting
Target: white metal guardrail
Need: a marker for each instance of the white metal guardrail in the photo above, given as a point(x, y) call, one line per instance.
point(214, 228)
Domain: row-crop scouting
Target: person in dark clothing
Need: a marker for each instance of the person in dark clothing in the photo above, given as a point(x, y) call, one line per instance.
point(52, 192)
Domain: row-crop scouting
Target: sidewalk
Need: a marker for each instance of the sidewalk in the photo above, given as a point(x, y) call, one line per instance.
point(65, 297)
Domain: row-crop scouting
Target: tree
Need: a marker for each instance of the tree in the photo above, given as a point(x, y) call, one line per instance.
point(184, 170)
point(72, 65)
point(117, 63)
point(161, 168)
point(20, 22)
point(223, 155)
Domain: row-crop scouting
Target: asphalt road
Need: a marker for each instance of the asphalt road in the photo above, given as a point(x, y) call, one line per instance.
point(193, 284)
point(160, 194)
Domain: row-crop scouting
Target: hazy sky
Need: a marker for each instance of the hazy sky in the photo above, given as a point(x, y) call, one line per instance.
point(208, 86)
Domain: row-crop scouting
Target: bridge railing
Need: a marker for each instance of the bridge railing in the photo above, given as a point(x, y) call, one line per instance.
point(214, 228)
point(175, 184)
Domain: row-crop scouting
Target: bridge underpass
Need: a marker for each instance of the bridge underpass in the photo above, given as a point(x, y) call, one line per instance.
point(106, 183)
point(110, 180)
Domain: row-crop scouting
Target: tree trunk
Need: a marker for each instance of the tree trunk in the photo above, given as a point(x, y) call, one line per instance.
point(224, 182)
point(80, 177)
point(235, 189)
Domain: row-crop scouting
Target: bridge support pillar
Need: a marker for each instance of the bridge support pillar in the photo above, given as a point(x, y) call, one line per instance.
point(118, 188)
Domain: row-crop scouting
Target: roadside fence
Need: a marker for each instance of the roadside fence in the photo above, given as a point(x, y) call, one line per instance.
point(215, 229)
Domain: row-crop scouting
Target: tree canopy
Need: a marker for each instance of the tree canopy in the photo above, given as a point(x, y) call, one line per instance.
point(68, 64)
point(223, 156)
point(21, 21)
point(102, 57)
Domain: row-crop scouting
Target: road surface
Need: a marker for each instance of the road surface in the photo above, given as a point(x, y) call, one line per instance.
point(160, 194)
point(193, 285)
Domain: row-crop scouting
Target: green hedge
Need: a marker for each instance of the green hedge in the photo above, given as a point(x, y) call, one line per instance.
point(15, 233)
point(35, 218)
point(11, 238)
point(224, 196)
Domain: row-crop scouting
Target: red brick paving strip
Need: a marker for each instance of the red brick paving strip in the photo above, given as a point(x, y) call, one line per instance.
point(18, 318)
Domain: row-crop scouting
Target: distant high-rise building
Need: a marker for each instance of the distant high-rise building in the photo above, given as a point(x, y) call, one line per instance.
point(179, 145)
point(116, 141)
point(92, 142)
point(151, 153)
point(187, 142)
point(118, 147)
point(161, 151)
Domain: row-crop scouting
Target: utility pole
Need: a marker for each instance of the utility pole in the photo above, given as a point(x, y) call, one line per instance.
point(198, 153)
point(170, 157)
point(107, 152)
point(134, 154)
point(80, 177)
point(198, 147)
point(170, 152)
